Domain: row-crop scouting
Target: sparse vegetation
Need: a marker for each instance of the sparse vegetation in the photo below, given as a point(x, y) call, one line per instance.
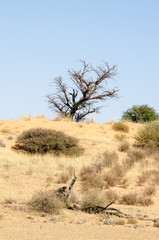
point(93, 198)
point(43, 141)
point(137, 154)
point(120, 126)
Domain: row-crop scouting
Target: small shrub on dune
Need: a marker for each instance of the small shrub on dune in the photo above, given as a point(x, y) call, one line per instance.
point(137, 154)
point(148, 135)
point(128, 163)
point(38, 140)
point(63, 177)
point(111, 195)
point(120, 137)
point(109, 158)
point(124, 146)
point(144, 201)
point(120, 126)
point(143, 178)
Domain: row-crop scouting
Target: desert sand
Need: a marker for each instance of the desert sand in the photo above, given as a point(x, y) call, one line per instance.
point(22, 175)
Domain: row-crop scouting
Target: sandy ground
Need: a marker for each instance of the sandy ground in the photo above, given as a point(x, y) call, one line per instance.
point(21, 176)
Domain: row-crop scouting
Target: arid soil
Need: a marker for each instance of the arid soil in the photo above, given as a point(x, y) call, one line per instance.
point(22, 175)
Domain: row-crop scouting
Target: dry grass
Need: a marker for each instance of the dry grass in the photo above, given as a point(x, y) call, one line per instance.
point(124, 146)
point(93, 198)
point(109, 159)
point(156, 224)
point(63, 177)
point(150, 190)
point(132, 221)
point(138, 154)
point(135, 199)
point(111, 195)
point(46, 202)
point(120, 137)
point(120, 126)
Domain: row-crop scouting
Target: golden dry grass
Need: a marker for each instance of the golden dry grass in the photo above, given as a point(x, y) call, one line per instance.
point(24, 175)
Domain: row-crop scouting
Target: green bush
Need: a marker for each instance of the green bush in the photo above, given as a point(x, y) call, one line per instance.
point(149, 135)
point(120, 126)
point(142, 113)
point(38, 140)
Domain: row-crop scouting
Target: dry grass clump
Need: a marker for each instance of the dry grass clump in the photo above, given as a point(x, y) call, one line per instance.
point(114, 176)
point(124, 146)
point(144, 201)
point(111, 195)
point(119, 222)
point(42, 141)
point(109, 158)
point(129, 199)
point(2, 144)
point(137, 153)
point(143, 178)
point(46, 202)
point(128, 163)
point(148, 134)
point(92, 198)
point(149, 190)
point(120, 137)
point(132, 221)
point(156, 224)
point(120, 126)
point(63, 177)
point(134, 199)
point(90, 179)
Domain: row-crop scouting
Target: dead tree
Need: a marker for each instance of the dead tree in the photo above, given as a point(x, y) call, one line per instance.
point(89, 87)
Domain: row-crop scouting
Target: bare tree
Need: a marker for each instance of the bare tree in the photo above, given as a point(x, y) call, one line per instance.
point(89, 87)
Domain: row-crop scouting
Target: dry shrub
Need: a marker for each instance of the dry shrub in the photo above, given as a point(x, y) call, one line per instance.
point(149, 190)
point(46, 202)
point(156, 224)
point(2, 144)
point(110, 179)
point(109, 158)
point(143, 178)
point(111, 195)
point(124, 146)
point(144, 201)
point(120, 137)
point(119, 222)
point(132, 221)
point(134, 199)
point(128, 163)
point(137, 153)
point(155, 177)
point(98, 166)
point(93, 198)
point(90, 179)
point(63, 177)
point(120, 126)
point(129, 199)
point(114, 176)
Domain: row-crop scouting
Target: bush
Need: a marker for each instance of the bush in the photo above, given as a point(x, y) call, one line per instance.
point(124, 146)
point(142, 113)
point(38, 140)
point(149, 135)
point(46, 202)
point(93, 198)
point(109, 158)
point(120, 126)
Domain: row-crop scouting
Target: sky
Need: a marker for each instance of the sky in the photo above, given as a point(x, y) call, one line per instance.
point(42, 39)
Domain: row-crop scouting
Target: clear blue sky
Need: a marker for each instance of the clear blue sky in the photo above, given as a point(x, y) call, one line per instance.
point(42, 39)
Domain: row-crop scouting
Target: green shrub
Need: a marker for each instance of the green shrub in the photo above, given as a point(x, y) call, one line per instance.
point(142, 113)
point(38, 140)
point(149, 135)
point(120, 126)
